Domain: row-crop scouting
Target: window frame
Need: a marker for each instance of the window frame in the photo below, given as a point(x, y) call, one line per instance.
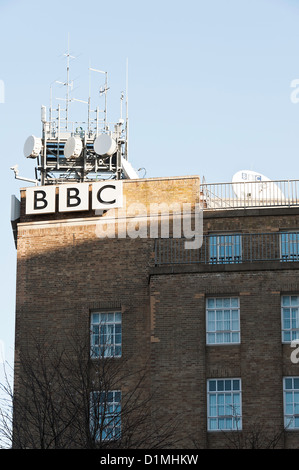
point(114, 417)
point(106, 328)
point(224, 417)
point(289, 256)
point(291, 330)
point(223, 332)
point(225, 259)
point(287, 416)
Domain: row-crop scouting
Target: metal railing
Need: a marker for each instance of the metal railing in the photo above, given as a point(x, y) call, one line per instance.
point(230, 249)
point(239, 195)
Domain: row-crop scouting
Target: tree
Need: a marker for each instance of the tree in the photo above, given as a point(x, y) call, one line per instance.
point(62, 398)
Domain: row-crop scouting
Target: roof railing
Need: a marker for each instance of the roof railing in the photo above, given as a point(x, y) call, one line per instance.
point(241, 195)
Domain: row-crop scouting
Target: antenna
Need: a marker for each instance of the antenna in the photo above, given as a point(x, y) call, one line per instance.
point(103, 91)
point(81, 150)
point(127, 111)
point(68, 56)
point(67, 84)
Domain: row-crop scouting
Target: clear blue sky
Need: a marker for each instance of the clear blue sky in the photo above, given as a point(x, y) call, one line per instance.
point(209, 88)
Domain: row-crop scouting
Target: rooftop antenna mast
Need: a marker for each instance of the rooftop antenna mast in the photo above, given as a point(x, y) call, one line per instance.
point(68, 84)
point(81, 151)
point(103, 91)
point(127, 111)
point(68, 56)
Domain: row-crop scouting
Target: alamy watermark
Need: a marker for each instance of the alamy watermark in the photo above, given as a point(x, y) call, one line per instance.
point(156, 220)
point(294, 354)
point(2, 91)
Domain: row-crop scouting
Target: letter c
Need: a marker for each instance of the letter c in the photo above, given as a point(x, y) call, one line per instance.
point(99, 194)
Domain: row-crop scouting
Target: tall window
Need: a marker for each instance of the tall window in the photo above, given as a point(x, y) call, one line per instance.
point(289, 246)
point(225, 249)
point(223, 320)
point(290, 317)
point(105, 415)
point(224, 404)
point(291, 402)
point(106, 334)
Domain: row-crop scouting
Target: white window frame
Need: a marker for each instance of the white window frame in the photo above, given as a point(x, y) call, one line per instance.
point(229, 312)
point(291, 403)
point(292, 317)
point(108, 326)
point(216, 420)
point(108, 423)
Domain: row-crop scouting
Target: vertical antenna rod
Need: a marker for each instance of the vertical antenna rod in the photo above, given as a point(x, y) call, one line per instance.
point(103, 91)
point(68, 56)
point(127, 110)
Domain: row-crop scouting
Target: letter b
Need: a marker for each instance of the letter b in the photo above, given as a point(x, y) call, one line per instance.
point(72, 194)
point(40, 201)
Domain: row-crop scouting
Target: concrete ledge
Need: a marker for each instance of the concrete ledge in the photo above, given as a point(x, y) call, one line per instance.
point(222, 268)
point(250, 212)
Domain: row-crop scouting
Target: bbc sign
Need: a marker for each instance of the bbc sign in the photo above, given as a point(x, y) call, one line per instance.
point(74, 197)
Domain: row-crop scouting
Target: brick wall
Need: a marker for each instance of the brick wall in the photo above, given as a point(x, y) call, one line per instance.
point(65, 271)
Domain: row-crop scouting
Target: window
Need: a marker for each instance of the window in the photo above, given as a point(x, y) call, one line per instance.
point(291, 402)
point(223, 320)
point(289, 246)
point(225, 249)
point(224, 404)
point(105, 415)
point(290, 317)
point(106, 334)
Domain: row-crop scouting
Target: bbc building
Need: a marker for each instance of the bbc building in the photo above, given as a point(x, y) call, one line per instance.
point(186, 296)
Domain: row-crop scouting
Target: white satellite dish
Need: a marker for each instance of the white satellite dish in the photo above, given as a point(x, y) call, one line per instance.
point(128, 170)
point(73, 147)
point(250, 185)
point(104, 144)
point(32, 147)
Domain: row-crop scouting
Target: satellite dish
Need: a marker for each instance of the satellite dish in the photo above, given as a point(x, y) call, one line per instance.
point(32, 147)
point(248, 184)
point(73, 147)
point(104, 145)
point(128, 170)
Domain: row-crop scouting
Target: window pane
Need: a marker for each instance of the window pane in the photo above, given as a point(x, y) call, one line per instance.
point(219, 337)
point(95, 318)
point(288, 383)
point(234, 302)
point(286, 336)
point(220, 385)
point(287, 324)
point(211, 338)
point(236, 385)
point(228, 384)
point(118, 317)
point(212, 385)
point(226, 337)
point(212, 424)
point(235, 337)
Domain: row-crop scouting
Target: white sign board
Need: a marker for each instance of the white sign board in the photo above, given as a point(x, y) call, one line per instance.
point(74, 197)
